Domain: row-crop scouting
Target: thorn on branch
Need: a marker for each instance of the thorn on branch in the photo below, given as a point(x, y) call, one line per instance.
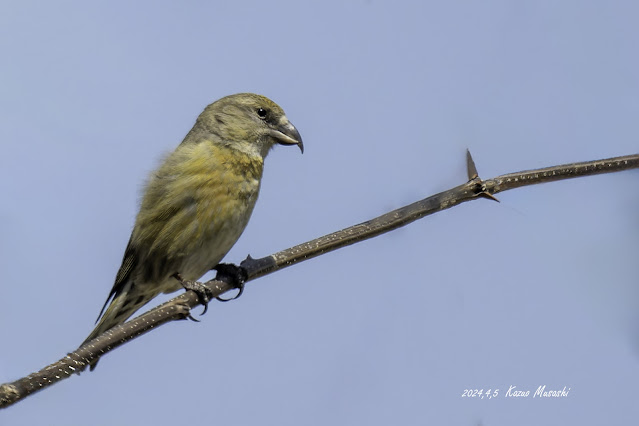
point(471, 169)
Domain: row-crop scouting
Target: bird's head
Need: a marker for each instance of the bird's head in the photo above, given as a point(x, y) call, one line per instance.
point(250, 123)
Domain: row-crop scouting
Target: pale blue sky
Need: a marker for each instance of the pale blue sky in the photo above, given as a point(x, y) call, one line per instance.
point(540, 289)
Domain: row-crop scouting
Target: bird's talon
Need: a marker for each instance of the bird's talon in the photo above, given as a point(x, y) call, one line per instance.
point(192, 318)
point(201, 291)
point(240, 287)
point(232, 274)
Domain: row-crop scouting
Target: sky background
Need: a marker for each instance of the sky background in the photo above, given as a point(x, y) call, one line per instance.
point(541, 289)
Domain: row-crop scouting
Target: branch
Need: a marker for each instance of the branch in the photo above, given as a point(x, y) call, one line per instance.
point(179, 307)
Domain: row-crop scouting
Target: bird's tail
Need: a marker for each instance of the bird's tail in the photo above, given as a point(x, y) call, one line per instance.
point(124, 304)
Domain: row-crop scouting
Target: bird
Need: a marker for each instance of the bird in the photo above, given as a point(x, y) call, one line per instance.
point(197, 203)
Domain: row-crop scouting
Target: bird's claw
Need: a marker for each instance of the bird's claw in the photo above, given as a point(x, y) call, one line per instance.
point(232, 274)
point(201, 291)
point(240, 287)
point(192, 318)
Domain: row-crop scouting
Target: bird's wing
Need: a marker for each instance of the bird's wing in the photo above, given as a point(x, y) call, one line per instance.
point(129, 262)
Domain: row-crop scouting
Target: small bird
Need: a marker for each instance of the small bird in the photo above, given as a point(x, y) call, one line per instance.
point(197, 203)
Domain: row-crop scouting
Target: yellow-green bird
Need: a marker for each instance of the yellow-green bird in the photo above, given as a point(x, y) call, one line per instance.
point(198, 202)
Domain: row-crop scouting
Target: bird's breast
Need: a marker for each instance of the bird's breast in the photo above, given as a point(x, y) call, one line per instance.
point(196, 207)
point(226, 188)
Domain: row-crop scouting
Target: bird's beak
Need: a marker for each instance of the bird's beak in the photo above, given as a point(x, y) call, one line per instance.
point(287, 134)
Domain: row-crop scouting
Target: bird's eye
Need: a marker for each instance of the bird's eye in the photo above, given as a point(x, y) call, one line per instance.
point(261, 112)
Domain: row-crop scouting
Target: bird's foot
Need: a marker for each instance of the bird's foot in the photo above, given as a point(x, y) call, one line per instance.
point(231, 274)
point(201, 291)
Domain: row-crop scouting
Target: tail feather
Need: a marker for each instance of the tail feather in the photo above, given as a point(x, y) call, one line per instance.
point(125, 303)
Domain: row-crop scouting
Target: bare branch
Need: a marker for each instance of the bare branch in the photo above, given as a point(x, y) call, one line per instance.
point(179, 307)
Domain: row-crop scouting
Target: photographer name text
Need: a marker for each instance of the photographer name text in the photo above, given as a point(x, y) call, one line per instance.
point(514, 392)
